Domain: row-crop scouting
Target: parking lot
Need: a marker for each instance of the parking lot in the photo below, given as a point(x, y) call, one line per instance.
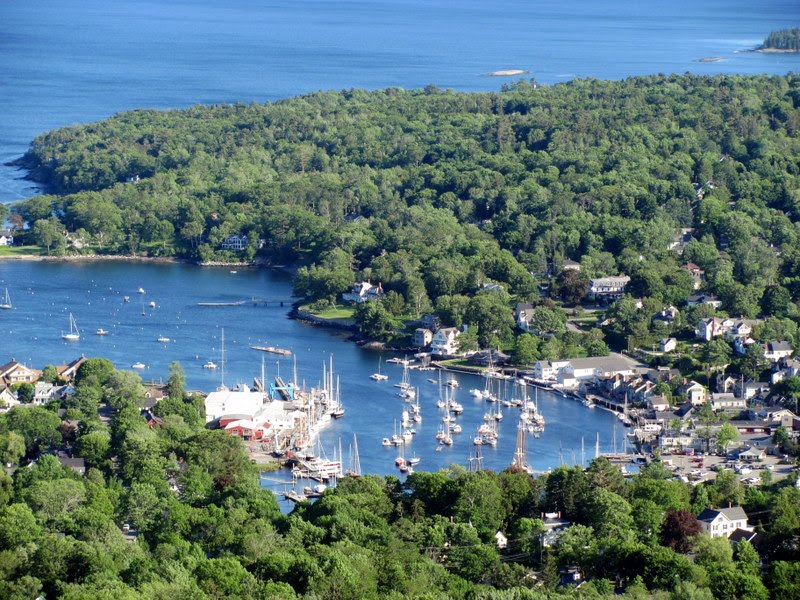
point(704, 467)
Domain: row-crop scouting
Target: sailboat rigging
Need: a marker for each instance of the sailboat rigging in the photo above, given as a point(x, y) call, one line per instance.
point(74, 333)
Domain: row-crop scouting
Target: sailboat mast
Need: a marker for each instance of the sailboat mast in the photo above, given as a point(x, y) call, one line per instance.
point(222, 360)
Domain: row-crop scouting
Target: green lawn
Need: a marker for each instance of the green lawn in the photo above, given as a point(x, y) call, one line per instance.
point(21, 251)
point(337, 312)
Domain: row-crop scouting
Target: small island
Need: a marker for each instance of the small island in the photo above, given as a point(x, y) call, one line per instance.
point(785, 40)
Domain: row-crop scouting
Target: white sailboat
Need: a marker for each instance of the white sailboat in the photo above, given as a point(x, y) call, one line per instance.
point(379, 376)
point(74, 333)
point(6, 302)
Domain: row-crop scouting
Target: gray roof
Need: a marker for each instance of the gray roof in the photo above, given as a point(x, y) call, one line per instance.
point(779, 347)
point(734, 513)
point(612, 362)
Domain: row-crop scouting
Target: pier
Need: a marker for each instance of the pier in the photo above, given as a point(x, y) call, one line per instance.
point(250, 302)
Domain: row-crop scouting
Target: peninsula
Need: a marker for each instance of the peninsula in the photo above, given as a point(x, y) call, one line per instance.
point(785, 40)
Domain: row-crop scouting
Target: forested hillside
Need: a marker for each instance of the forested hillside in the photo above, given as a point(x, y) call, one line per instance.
point(435, 192)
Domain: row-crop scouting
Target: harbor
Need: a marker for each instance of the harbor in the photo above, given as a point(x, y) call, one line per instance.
point(95, 296)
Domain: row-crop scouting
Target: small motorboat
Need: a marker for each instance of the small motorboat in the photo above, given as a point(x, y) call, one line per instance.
point(210, 365)
point(101, 331)
point(138, 365)
point(141, 290)
point(164, 340)
point(152, 304)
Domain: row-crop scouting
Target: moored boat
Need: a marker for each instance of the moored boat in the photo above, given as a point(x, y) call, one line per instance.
point(74, 333)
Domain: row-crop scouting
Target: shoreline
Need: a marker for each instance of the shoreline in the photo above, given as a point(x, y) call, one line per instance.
point(71, 258)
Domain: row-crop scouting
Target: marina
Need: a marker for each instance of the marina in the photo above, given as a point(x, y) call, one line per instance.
point(95, 295)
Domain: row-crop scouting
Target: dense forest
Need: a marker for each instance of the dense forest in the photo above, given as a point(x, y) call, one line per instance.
point(436, 193)
point(168, 509)
point(785, 39)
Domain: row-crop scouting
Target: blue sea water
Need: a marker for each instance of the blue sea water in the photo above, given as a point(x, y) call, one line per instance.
point(64, 62)
point(74, 61)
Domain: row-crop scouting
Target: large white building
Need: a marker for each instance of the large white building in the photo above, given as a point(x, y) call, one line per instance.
point(608, 288)
point(444, 341)
point(722, 522)
point(570, 373)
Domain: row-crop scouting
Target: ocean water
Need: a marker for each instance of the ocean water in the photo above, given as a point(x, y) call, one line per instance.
point(64, 62)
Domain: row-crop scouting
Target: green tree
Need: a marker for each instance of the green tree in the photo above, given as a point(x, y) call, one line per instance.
point(726, 434)
point(526, 349)
point(176, 383)
point(753, 363)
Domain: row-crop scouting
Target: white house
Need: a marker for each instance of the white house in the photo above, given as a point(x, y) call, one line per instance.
point(234, 242)
point(727, 401)
point(422, 337)
point(444, 341)
point(8, 399)
point(6, 238)
point(608, 288)
point(668, 345)
point(722, 522)
point(547, 370)
point(694, 392)
point(709, 299)
point(363, 291)
point(524, 314)
point(774, 351)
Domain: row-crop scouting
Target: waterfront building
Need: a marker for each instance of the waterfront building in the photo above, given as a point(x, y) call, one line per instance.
point(444, 341)
point(6, 237)
point(362, 292)
point(422, 337)
point(234, 242)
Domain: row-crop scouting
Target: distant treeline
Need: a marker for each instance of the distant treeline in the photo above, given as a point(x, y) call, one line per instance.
point(785, 39)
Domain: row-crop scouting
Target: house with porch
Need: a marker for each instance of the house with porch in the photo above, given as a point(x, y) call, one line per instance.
point(607, 289)
point(444, 341)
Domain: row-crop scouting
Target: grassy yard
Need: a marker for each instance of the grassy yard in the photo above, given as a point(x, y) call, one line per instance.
point(336, 312)
point(21, 251)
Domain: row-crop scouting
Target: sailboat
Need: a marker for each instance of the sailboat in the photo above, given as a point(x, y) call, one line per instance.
point(355, 461)
point(6, 302)
point(379, 376)
point(74, 333)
